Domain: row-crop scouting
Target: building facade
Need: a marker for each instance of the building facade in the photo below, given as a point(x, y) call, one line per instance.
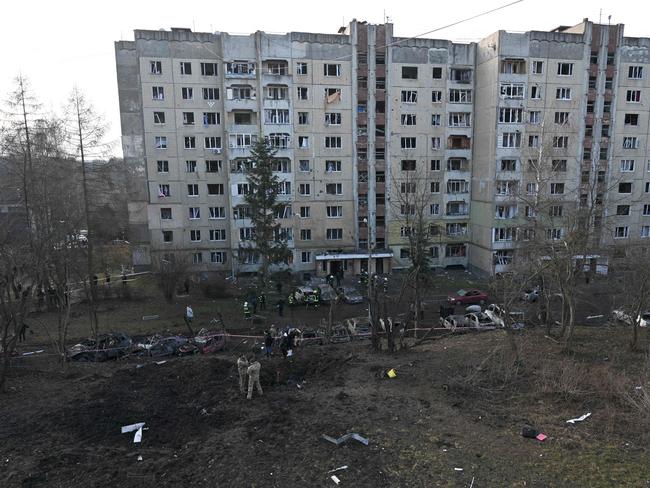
point(368, 126)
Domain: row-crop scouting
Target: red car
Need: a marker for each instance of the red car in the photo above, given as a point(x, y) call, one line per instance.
point(467, 297)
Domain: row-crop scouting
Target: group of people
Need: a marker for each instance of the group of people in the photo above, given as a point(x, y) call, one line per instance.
point(288, 341)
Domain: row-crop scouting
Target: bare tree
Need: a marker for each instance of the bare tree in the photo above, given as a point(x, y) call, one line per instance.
point(411, 206)
point(170, 269)
point(86, 133)
point(630, 278)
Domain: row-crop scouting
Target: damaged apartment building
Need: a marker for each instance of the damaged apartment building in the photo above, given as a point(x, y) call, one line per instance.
point(359, 120)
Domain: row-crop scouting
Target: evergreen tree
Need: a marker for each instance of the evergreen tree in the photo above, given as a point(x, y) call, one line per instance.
point(270, 242)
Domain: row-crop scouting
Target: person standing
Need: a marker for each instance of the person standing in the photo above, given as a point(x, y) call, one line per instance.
point(262, 300)
point(242, 368)
point(268, 344)
point(280, 307)
point(189, 317)
point(247, 310)
point(254, 379)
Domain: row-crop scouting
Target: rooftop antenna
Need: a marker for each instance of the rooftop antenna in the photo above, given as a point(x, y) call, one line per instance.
point(600, 16)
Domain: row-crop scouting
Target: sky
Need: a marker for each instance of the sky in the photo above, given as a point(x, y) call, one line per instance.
point(57, 45)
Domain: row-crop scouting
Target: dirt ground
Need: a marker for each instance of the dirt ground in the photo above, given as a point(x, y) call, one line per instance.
point(452, 417)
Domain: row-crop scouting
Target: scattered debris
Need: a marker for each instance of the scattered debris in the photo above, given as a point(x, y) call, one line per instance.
point(338, 469)
point(591, 317)
point(134, 427)
point(33, 352)
point(335, 479)
point(458, 469)
point(344, 438)
point(160, 362)
point(472, 483)
point(150, 317)
point(391, 373)
point(579, 419)
point(531, 433)
point(139, 458)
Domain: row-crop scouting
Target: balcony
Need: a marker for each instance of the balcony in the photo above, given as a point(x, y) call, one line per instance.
point(458, 142)
point(240, 69)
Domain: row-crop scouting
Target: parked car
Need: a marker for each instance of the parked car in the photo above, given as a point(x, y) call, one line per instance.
point(312, 337)
point(453, 322)
point(621, 316)
point(340, 334)
point(467, 297)
point(303, 295)
point(479, 320)
point(497, 315)
point(531, 295)
point(327, 293)
point(350, 295)
point(107, 346)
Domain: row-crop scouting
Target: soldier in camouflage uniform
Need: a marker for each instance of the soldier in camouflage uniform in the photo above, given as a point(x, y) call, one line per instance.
point(254, 379)
point(242, 367)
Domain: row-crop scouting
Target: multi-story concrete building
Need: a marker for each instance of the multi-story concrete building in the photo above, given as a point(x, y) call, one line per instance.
point(361, 119)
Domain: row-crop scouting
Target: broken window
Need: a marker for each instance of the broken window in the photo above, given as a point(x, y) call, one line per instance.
point(537, 67)
point(188, 118)
point(332, 118)
point(630, 143)
point(190, 166)
point(213, 165)
point(436, 96)
point(160, 142)
point(409, 96)
point(187, 93)
point(437, 73)
point(559, 165)
point(407, 119)
point(186, 68)
point(332, 95)
point(240, 68)
point(435, 119)
point(302, 92)
point(277, 92)
point(332, 69)
point(563, 94)
point(162, 166)
point(635, 72)
point(211, 118)
point(459, 119)
point(513, 66)
point(303, 118)
point(460, 96)
point(460, 75)
point(211, 94)
point(156, 67)
point(510, 115)
point(277, 68)
point(565, 69)
point(157, 93)
point(280, 140)
point(512, 90)
point(159, 118)
point(536, 92)
point(408, 164)
point(332, 166)
point(276, 116)
point(209, 69)
point(633, 96)
point(409, 72)
point(301, 68)
point(242, 118)
point(631, 119)
point(333, 142)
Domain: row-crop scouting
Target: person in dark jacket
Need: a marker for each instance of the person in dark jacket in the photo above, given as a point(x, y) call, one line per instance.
point(268, 344)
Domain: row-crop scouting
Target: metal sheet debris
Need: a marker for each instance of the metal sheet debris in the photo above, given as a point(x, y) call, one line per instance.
point(344, 438)
point(335, 479)
point(134, 427)
point(338, 469)
point(33, 352)
point(579, 419)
